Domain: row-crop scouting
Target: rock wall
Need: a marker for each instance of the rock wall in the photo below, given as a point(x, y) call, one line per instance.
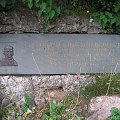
point(22, 20)
point(40, 87)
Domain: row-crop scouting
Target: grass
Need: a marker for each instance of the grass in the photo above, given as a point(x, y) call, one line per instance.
point(105, 84)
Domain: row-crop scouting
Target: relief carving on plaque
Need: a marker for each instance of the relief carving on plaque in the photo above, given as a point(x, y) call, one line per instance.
point(8, 59)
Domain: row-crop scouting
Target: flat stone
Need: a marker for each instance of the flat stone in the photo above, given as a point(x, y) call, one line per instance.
point(59, 53)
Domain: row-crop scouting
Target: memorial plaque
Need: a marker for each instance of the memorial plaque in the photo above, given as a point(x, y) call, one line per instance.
point(59, 53)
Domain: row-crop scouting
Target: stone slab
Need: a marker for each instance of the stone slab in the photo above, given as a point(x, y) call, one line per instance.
point(59, 53)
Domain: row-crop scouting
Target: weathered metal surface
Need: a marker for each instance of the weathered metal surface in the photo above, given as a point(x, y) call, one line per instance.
point(59, 53)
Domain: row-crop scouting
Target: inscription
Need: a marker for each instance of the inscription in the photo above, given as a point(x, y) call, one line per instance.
point(75, 53)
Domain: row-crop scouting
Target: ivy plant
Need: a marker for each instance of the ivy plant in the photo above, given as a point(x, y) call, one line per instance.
point(110, 18)
point(5, 3)
point(115, 114)
point(106, 12)
point(46, 8)
point(73, 2)
point(26, 105)
point(64, 110)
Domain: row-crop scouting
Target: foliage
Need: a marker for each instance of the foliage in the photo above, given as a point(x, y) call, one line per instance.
point(100, 86)
point(62, 111)
point(55, 111)
point(46, 8)
point(73, 2)
point(110, 18)
point(115, 114)
point(5, 3)
point(14, 107)
point(26, 105)
point(106, 12)
point(3, 112)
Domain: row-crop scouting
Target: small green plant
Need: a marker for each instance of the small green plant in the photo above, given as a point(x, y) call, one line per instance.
point(63, 110)
point(26, 105)
point(46, 8)
point(73, 2)
point(115, 114)
point(14, 108)
point(5, 3)
point(3, 112)
point(55, 111)
point(109, 18)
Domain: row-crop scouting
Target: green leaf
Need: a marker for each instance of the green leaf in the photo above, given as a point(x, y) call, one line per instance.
point(47, 18)
point(51, 119)
point(51, 14)
point(52, 106)
point(115, 114)
point(104, 31)
point(3, 3)
point(50, 2)
point(118, 23)
point(48, 9)
point(78, 104)
point(30, 5)
point(39, 13)
point(109, 14)
point(37, 4)
point(24, 107)
point(36, 1)
point(27, 99)
point(79, 118)
point(117, 7)
point(57, 9)
point(102, 16)
point(43, 6)
point(113, 20)
point(105, 21)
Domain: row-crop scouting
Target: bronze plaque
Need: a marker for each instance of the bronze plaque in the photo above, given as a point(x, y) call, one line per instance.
point(59, 53)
